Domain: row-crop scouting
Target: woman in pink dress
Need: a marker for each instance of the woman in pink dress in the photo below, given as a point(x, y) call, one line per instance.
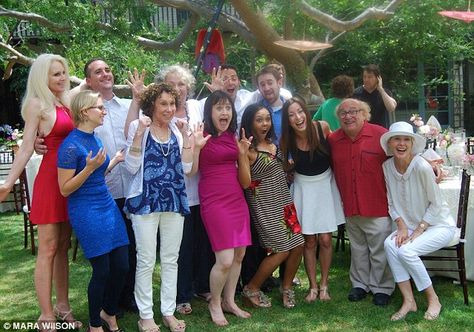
point(45, 111)
point(224, 210)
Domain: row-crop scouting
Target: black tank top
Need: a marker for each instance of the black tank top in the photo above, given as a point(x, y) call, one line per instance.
point(321, 159)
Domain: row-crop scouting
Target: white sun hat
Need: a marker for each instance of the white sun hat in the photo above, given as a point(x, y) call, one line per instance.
point(402, 129)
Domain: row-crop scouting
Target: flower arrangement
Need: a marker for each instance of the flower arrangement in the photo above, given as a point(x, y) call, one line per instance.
point(446, 138)
point(429, 130)
point(10, 137)
point(468, 163)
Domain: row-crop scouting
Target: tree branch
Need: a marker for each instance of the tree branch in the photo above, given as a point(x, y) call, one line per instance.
point(204, 10)
point(337, 25)
point(32, 17)
point(176, 43)
point(17, 56)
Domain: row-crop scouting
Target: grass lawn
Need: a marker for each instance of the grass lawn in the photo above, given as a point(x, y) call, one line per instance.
point(18, 300)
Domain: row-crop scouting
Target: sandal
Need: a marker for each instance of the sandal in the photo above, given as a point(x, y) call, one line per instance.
point(106, 326)
point(203, 296)
point(63, 316)
point(155, 328)
point(288, 296)
point(176, 325)
point(255, 299)
point(312, 295)
point(324, 294)
point(432, 316)
point(46, 325)
point(184, 308)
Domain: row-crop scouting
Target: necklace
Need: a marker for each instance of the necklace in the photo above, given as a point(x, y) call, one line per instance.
point(168, 150)
point(161, 141)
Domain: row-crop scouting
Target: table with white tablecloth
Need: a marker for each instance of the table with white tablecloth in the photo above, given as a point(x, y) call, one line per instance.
point(450, 189)
point(31, 168)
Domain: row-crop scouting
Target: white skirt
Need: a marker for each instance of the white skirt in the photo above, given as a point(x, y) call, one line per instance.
point(318, 203)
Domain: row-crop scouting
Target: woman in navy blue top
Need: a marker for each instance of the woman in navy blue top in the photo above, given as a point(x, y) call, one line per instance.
point(159, 154)
point(94, 216)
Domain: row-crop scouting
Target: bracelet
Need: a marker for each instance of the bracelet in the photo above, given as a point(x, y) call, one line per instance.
point(135, 149)
point(187, 147)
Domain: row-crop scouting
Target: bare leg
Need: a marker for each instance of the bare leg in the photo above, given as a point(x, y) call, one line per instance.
point(292, 264)
point(228, 304)
point(408, 304)
point(48, 237)
point(266, 268)
point(217, 280)
point(310, 262)
point(61, 268)
point(434, 306)
point(325, 257)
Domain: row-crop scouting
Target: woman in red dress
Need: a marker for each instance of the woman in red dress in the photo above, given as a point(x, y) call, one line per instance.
point(45, 112)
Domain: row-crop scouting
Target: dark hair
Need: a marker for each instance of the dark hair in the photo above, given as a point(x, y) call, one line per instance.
point(372, 69)
point(153, 91)
point(342, 86)
point(88, 63)
point(247, 123)
point(228, 66)
point(213, 99)
point(288, 136)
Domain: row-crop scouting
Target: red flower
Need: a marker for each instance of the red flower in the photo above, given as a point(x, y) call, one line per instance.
point(291, 219)
point(254, 186)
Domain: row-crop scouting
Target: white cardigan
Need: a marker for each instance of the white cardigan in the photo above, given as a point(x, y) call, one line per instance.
point(134, 163)
point(415, 196)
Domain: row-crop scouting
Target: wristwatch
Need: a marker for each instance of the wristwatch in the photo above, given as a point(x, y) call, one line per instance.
point(422, 226)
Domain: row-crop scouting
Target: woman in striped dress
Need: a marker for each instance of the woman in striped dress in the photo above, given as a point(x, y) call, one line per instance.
point(271, 208)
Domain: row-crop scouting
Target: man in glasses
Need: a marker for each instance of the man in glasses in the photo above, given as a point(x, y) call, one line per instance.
point(357, 159)
point(373, 93)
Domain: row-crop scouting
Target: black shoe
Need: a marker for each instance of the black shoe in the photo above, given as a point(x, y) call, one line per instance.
point(357, 294)
point(120, 313)
point(130, 306)
point(381, 299)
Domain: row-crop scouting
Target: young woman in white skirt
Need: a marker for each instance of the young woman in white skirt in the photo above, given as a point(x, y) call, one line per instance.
point(317, 199)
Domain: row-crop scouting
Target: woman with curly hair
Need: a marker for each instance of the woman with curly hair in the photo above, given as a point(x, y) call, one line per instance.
point(158, 155)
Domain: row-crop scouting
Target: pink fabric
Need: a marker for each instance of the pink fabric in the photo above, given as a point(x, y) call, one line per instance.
point(224, 210)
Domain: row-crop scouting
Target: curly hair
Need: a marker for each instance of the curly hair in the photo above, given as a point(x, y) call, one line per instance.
point(342, 86)
point(182, 71)
point(153, 91)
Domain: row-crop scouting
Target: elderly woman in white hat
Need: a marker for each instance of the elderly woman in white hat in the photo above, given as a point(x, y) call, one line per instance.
point(421, 215)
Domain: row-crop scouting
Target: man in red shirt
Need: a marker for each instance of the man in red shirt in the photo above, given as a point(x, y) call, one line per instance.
point(357, 164)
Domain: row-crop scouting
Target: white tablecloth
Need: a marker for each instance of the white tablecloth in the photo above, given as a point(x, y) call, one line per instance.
point(32, 168)
point(450, 189)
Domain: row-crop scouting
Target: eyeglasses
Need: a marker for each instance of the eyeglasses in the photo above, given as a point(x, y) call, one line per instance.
point(345, 114)
point(99, 107)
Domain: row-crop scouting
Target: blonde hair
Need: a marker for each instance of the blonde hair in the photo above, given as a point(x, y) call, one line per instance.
point(82, 101)
point(363, 106)
point(38, 79)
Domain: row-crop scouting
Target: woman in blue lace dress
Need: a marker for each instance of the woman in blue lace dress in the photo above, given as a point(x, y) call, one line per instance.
point(159, 154)
point(94, 216)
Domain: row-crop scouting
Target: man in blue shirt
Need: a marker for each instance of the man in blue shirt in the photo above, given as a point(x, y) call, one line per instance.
point(269, 82)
